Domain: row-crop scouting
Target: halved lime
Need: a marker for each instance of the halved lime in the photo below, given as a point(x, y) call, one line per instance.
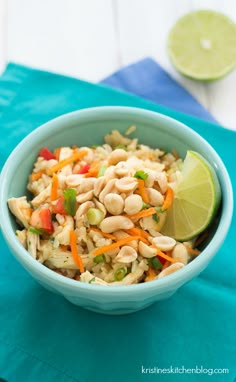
point(202, 45)
point(196, 200)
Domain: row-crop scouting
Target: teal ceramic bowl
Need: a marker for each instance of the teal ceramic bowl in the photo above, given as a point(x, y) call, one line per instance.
point(88, 127)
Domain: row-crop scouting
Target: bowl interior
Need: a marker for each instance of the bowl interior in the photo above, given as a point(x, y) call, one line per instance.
point(87, 129)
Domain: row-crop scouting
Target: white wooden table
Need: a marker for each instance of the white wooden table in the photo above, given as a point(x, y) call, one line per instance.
point(90, 39)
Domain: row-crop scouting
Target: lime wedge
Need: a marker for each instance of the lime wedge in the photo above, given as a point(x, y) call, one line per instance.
point(202, 45)
point(197, 198)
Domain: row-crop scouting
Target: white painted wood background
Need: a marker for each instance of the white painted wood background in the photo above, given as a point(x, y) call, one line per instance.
point(90, 39)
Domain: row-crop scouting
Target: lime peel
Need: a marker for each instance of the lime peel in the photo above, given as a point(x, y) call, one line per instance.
point(194, 207)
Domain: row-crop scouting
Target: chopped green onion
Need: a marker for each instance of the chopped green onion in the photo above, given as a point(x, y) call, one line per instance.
point(102, 170)
point(92, 280)
point(35, 230)
point(120, 274)
point(155, 263)
point(95, 216)
point(159, 209)
point(52, 239)
point(99, 259)
point(155, 217)
point(94, 146)
point(70, 201)
point(145, 205)
point(141, 175)
point(120, 146)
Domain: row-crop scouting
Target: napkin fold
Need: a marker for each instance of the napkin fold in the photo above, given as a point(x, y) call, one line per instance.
point(43, 336)
point(147, 79)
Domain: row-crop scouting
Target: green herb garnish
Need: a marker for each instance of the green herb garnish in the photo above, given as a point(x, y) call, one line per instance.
point(120, 146)
point(92, 280)
point(155, 217)
point(141, 175)
point(145, 205)
point(155, 263)
point(70, 201)
point(102, 170)
point(99, 259)
point(120, 274)
point(159, 209)
point(52, 239)
point(35, 230)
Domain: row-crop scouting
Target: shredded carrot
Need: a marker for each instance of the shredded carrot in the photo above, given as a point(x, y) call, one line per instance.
point(73, 158)
point(74, 147)
point(107, 235)
point(36, 175)
point(119, 243)
point(138, 192)
point(201, 238)
point(142, 214)
point(151, 274)
point(54, 189)
point(169, 197)
point(143, 191)
point(57, 153)
point(76, 257)
point(113, 237)
point(163, 255)
point(141, 238)
point(176, 155)
point(167, 263)
point(145, 241)
point(192, 251)
point(93, 171)
point(138, 231)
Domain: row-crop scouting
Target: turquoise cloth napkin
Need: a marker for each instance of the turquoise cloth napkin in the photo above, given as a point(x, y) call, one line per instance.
point(45, 338)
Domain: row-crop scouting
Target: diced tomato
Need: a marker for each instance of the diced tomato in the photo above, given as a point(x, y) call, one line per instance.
point(46, 154)
point(84, 169)
point(161, 260)
point(46, 220)
point(59, 208)
point(42, 219)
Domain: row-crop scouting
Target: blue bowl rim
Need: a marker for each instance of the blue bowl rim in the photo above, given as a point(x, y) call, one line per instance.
point(164, 284)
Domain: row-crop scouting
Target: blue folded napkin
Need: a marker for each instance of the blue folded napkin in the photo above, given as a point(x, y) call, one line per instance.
point(147, 79)
point(45, 338)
